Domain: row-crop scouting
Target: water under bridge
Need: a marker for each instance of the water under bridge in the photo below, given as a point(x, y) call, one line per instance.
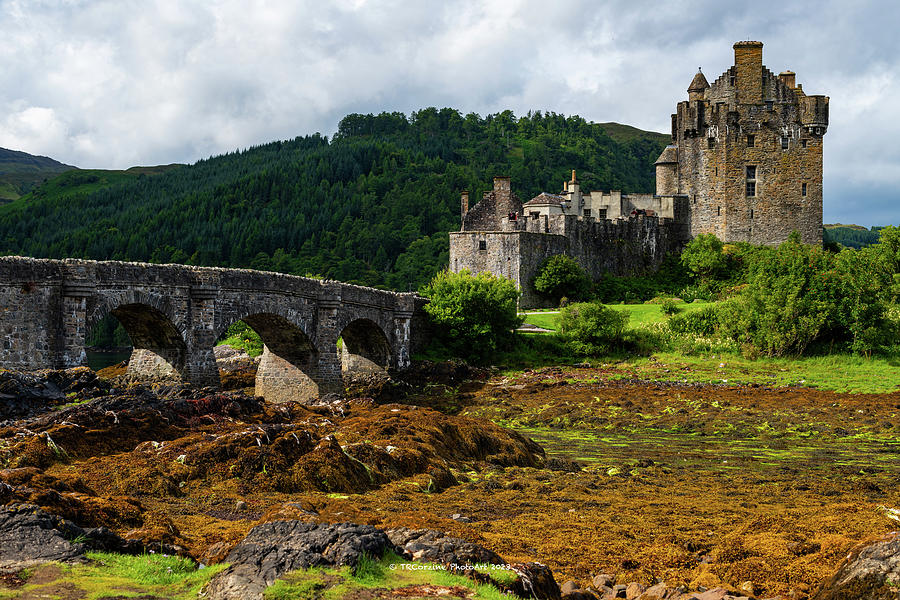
point(174, 315)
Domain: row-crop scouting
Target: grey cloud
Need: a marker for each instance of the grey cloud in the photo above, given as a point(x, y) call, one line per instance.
point(109, 83)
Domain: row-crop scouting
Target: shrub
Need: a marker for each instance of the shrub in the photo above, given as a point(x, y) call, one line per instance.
point(702, 322)
point(802, 295)
point(591, 328)
point(669, 306)
point(560, 276)
point(472, 315)
point(704, 258)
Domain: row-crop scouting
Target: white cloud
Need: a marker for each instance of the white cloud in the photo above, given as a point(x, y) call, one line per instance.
point(113, 83)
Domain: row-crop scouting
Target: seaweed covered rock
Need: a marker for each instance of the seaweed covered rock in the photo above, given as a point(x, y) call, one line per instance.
point(24, 395)
point(428, 545)
point(30, 536)
point(870, 572)
point(272, 549)
point(117, 423)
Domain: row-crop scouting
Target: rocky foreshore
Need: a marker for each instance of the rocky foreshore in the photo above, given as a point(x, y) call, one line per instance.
point(89, 464)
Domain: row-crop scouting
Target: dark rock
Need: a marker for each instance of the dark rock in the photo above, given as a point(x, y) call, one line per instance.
point(434, 546)
point(441, 479)
point(272, 549)
point(870, 572)
point(240, 505)
point(803, 548)
point(565, 465)
point(535, 581)
point(30, 536)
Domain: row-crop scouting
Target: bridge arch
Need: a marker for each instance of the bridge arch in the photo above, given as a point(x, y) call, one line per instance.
point(159, 347)
point(289, 365)
point(365, 349)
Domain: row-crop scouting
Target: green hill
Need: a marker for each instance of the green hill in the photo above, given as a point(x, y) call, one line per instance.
point(372, 206)
point(21, 172)
point(852, 236)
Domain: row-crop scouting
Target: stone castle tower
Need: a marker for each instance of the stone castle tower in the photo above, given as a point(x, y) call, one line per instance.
point(745, 164)
point(747, 153)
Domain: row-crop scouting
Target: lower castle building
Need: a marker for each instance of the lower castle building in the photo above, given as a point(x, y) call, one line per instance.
point(745, 164)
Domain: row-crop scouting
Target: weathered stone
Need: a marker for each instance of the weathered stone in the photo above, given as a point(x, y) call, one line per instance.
point(870, 572)
point(535, 581)
point(429, 545)
point(274, 548)
point(174, 314)
point(634, 590)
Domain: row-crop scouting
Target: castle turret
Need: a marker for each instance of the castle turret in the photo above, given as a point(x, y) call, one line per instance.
point(698, 87)
point(748, 72)
point(667, 172)
point(789, 78)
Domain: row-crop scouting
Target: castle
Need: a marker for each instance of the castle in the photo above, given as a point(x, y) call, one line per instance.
point(745, 164)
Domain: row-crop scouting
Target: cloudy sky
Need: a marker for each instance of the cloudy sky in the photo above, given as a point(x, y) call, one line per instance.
point(117, 83)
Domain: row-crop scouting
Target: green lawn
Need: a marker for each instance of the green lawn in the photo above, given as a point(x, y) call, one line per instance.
point(639, 314)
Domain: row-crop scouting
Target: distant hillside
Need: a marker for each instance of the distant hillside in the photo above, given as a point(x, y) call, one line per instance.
point(851, 236)
point(21, 172)
point(371, 206)
point(626, 133)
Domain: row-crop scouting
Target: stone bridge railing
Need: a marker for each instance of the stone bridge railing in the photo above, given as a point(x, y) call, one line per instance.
point(174, 314)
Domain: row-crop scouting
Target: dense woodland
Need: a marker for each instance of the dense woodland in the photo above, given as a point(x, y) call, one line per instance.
point(372, 206)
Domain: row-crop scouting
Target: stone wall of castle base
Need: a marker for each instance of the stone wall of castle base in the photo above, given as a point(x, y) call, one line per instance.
point(623, 247)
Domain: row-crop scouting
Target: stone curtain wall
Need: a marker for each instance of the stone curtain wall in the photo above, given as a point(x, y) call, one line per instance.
point(174, 314)
point(621, 247)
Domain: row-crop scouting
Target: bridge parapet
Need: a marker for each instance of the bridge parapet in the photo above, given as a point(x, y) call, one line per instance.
point(175, 313)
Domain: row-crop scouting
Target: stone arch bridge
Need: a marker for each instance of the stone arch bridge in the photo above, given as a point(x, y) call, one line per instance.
point(174, 314)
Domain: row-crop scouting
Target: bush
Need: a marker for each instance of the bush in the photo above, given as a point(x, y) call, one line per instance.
point(701, 322)
point(704, 258)
point(472, 315)
point(560, 276)
point(591, 328)
point(669, 306)
point(800, 295)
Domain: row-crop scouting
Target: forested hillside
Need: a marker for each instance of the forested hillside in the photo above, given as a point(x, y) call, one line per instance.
point(851, 236)
point(21, 172)
point(371, 206)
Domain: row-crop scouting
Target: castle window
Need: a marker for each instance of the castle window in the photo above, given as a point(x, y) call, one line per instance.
point(535, 214)
point(587, 212)
point(601, 214)
point(769, 104)
point(482, 245)
point(803, 190)
point(751, 141)
point(751, 181)
point(751, 213)
point(731, 81)
point(710, 143)
point(784, 143)
point(718, 211)
point(803, 143)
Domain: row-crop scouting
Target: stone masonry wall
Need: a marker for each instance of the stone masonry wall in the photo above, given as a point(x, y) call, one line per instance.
point(174, 314)
point(621, 247)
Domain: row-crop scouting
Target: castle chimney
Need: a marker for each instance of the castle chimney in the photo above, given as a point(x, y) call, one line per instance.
point(573, 176)
point(464, 202)
point(748, 72)
point(789, 78)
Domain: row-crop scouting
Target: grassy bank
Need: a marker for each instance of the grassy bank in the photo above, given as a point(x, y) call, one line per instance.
point(652, 352)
